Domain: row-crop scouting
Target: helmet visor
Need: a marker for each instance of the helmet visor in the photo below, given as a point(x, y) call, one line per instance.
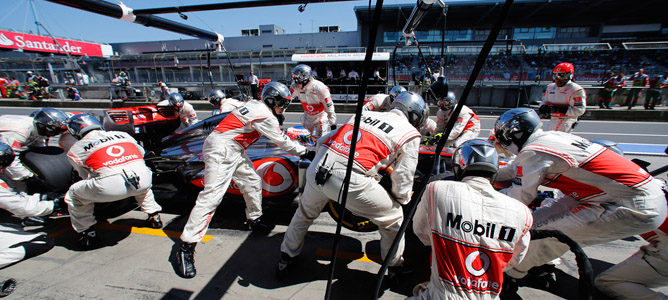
point(562, 76)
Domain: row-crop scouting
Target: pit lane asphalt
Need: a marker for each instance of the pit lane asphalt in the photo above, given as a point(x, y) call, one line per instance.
point(135, 262)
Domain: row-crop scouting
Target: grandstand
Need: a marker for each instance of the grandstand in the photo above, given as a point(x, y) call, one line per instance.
point(596, 36)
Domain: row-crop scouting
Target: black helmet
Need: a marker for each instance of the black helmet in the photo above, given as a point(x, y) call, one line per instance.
point(396, 90)
point(80, 125)
point(276, 94)
point(215, 97)
point(6, 155)
point(476, 157)
point(50, 121)
point(610, 145)
point(301, 74)
point(515, 126)
point(175, 99)
point(439, 88)
point(413, 107)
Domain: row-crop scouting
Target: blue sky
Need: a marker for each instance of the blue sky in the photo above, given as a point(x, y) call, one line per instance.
point(64, 21)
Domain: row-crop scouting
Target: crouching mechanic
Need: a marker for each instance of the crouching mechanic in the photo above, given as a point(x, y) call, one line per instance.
point(467, 126)
point(224, 154)
point(21, 132)
point(614, 197)
point(319, 115)
point(112, 166)
point(468, 262)
point(385, 138)
point(15, 243)
point(21, 204)
point(382, 102)
point(186, 112)
point(564, 100)
point(221, 103)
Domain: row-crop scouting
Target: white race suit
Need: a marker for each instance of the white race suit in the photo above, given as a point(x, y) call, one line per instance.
point(475, 233)
point(224, 154)
point(616, 198)
point(318, 106)
point(385, 138)
point(107, 161)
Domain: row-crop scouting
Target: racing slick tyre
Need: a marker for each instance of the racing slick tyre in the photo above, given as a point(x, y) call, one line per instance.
point(350, 220)
point(51, 165)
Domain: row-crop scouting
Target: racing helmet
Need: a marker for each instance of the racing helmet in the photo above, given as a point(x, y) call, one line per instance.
point(80, 125)
point(50, 121)
point(476, 157)
point(301, 74)
point(175, 99)
point(413, 107)
point(6, 155)
point(563, 72)
point(448, 102)
point(396, 90)
point(29, 73)
point(215, 97)
point(610, 145)
point(276, 94)
point(515, 126)
point(439, 88)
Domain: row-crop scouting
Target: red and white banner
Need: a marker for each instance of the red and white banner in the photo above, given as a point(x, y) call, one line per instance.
point(30, 42)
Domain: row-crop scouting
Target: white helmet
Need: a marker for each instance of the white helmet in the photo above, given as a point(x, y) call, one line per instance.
point(301, 74)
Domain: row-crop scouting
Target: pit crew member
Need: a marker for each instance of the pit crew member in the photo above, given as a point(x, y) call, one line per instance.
point(467, 221)
point(221, 103)
point(186, 112)
point(564, 100)
point(319, 115)
point(20, 132)
point(21, 204)
point(381, 102)
point(467, 126)
point(385, 138)
point(224, 155)
point(615, 197)
point(111, 165)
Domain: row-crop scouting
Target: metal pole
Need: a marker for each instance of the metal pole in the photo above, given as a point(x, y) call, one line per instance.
point(227, 5)
point(32, 6)
point(120, 11)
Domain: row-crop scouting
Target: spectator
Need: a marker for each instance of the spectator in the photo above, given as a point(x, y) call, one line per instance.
point(73, 93)
point(653, 96)
point(640, 80)
point(376, 75)
point(253, 82)
point(353, 75)
point(329, 74)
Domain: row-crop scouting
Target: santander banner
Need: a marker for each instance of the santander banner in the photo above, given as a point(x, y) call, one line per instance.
point(30, 42)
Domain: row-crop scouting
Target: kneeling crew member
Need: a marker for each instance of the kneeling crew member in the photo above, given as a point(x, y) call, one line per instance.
point(112, 166)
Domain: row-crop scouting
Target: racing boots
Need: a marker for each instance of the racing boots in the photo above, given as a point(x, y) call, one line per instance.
point(154, 220)
point(88, 239)
point(283, 267)
point(260, 225)
point(185, 260)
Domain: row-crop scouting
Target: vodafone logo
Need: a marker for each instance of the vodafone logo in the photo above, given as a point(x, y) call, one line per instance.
point(310, 108)
point(276, 177)
point(348, 137)
point(472, 258)
point(115, 151)
point(5, 41)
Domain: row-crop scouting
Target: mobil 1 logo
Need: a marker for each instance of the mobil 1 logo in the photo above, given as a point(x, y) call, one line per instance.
point(476, 227)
